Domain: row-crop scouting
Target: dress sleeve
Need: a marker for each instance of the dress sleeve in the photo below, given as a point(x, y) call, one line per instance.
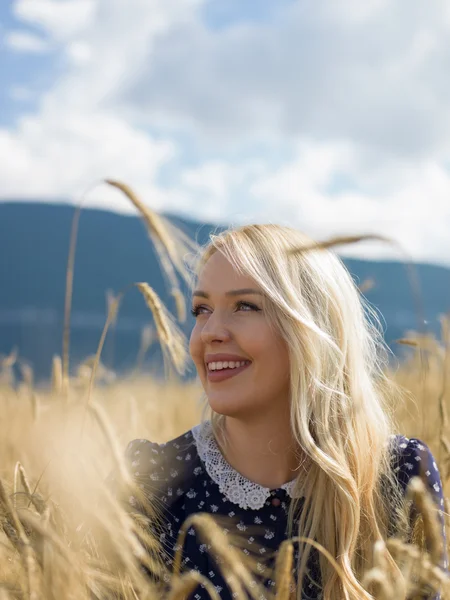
point(416, 460)
point(146, 464)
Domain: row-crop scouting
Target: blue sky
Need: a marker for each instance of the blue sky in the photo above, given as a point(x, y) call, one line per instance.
point(332, 117)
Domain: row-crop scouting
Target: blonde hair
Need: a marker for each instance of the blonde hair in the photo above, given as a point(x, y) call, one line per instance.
point(339, 408)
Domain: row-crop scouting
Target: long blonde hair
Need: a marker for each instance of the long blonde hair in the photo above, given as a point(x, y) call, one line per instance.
point(340, 414)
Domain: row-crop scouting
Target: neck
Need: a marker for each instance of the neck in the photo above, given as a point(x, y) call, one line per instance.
point(263, 451)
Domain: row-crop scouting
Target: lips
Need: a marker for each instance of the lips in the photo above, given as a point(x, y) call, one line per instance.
point(222, 374)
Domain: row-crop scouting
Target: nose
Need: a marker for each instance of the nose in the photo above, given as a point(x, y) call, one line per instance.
point(215, 329)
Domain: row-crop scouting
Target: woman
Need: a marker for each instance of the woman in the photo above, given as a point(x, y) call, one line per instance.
point(298, 439)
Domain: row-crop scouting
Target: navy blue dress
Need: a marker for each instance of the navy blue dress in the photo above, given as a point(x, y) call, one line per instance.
point(189, 475)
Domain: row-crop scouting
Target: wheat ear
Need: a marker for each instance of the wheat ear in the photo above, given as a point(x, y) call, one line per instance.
point(180, 303)
point(388, 586)
point(158, 230)
point(112, 315)
point(22, 543)
point(57, 375)
point(147, 338)
point(444, 441)
point(226, 554)
point(375, 581)
point(412, 274)
point(283, 570)
point(186, 584)
point(408, 555)
point(105, 427)
point(19, 472)
point(169, 335)
point(366, 285)
point(417, 491)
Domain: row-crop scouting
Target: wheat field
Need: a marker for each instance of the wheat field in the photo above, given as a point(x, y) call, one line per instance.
point(65, 534)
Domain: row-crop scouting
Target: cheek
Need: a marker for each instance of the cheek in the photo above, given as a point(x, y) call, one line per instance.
point(195, 347)
point(275, 356)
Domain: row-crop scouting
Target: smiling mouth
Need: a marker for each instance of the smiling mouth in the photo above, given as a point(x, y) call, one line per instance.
point(222, 374)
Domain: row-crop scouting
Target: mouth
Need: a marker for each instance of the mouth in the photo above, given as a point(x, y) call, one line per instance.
point(222, 374)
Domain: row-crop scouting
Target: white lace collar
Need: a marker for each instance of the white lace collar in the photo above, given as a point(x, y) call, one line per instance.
point(234, 486)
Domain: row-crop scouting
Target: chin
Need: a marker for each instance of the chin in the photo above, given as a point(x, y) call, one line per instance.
point(222, 410)
point(230, 409)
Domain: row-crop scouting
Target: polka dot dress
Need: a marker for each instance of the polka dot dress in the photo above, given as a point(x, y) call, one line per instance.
point(190, 475)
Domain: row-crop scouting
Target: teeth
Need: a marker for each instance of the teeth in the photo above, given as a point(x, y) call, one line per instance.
point(217, 366)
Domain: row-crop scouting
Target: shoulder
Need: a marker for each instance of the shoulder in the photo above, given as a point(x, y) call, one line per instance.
point(152, 461)
point(411, 457)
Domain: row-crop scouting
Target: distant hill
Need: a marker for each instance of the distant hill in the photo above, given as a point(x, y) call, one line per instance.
point(114, 250)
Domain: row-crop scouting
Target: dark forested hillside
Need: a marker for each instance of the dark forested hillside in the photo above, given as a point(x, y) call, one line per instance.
point(113, 251)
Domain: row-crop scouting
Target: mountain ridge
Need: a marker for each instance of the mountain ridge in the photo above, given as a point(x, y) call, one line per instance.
point(114, 250)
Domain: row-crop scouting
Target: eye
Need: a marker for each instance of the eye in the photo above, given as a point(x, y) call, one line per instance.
point(195, 311)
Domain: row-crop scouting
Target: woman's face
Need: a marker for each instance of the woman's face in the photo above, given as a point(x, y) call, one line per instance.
point(230, 323)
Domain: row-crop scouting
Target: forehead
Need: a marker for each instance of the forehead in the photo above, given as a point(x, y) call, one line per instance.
point(219, 273)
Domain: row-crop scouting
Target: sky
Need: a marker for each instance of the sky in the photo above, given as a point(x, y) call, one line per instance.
point(330, 116)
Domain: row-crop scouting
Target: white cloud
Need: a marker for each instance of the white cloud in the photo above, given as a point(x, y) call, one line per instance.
point(415, 213)
point(73, 140)
point(79, 52)
point(61, 19)
point(373, 75)
point(58, 156)
point(24, 41)
point(331, 120)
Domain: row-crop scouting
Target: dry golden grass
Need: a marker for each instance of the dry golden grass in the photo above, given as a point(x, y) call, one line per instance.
point(65, 534)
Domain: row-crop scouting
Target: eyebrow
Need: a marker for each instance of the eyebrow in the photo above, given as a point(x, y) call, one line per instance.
point(230, 293)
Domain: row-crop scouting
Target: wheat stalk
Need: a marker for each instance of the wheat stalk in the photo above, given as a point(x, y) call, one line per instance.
point(376, 582)
point(168, 241)
point(444, 442)
point(283, 570)
point(34, 399)
point(69, 289)
point(180, 304)
point(57, 375)
point(112, 305)
point(408, 555)
point(407, 342)
point(171, 338)
point(227, 556)
point(366, 285)
point(412, 274)
point(116, 452)
point(9, 361)
point(112, 314)
point(68, 297)
point(418, 570)
point(19, 472)
point(417, 492)
point(27, 374)
point(48, 534)
point(133, 545)
point(24, 478)
point(23, 545)
point(163, 237)
point(131, 488)
point(168, 334)
point(380, 579)
point(183, 587)
point(146, 341)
